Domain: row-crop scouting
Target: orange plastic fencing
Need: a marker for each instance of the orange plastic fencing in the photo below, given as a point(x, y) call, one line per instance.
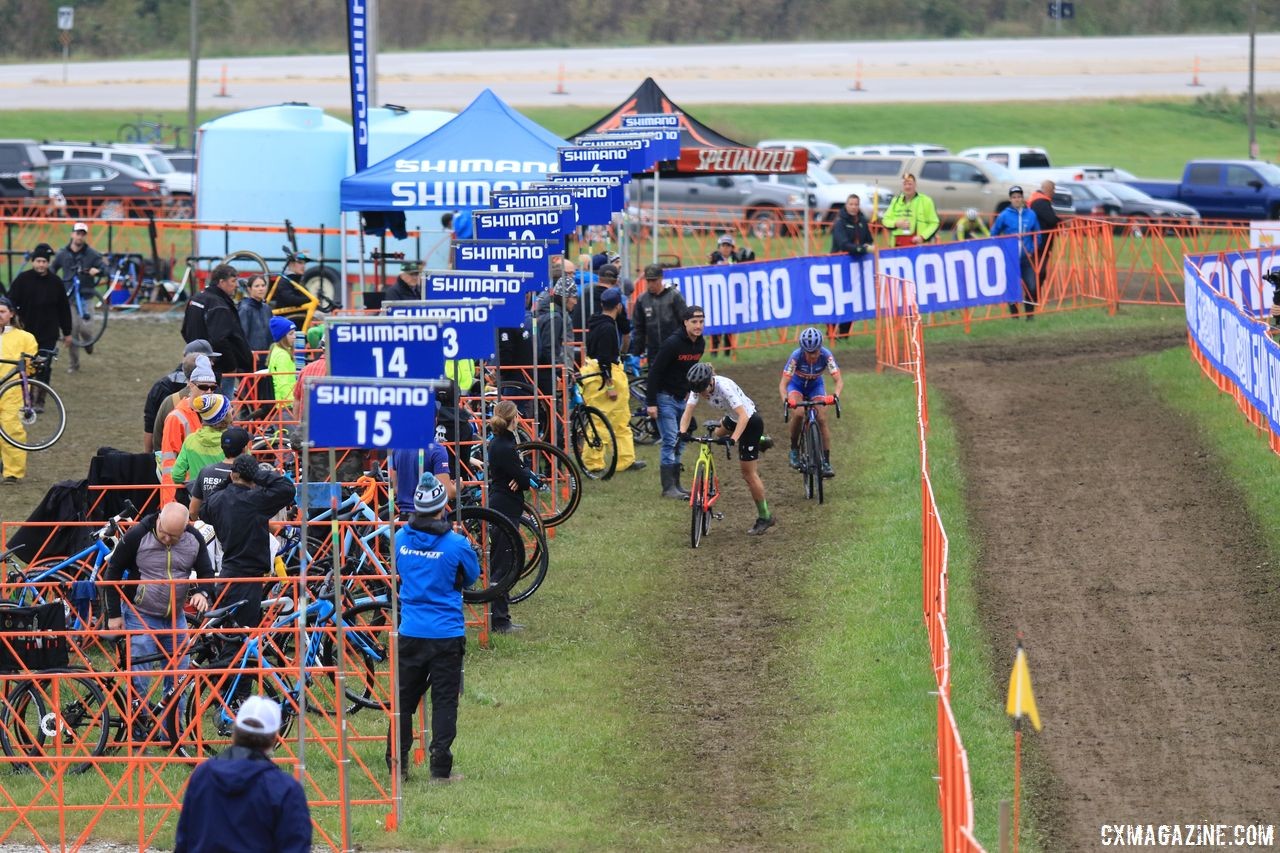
point(955, 794)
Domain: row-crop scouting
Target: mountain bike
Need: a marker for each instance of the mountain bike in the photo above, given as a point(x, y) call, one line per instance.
point(591, 435)
point(705, 490)
point(93, 307)
point(41, 415)
point(644, 429)
point(71, 580)
point(150, 132)
point(812, 448)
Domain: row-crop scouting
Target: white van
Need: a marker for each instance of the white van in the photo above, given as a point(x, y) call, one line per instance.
point(1015, 158)
point(139, 157)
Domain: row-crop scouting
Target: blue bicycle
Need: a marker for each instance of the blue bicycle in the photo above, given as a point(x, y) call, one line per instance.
point(72, 580)
point(89, 301)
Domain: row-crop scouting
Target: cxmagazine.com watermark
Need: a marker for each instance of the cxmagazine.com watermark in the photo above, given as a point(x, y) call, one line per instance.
point(1188, 835)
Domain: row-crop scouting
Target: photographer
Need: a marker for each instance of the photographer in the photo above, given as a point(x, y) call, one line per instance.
point(1273, 278)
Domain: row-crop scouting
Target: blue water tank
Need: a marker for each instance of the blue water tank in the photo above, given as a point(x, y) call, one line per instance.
point(267, 165)
point(390, 131)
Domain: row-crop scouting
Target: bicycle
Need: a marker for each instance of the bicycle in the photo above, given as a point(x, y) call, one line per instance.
point(71, 580)
point(303, 313)
point(149, 132)
point(94, 310)
point(812, 449)
point(644, 429)
point(591, 434)
point(41, 414)
point(127, 287)
point(705, 490)
point(534, 534)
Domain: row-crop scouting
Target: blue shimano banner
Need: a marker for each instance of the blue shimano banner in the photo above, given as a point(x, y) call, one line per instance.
point(1239, 275)
point(580, 159)
point(383, 414)
point(643, 153)
point(526, 256)
point(595, 203)
point(1236, 344)
point(470, 331)
point(461, 285)
point(524, 223)
point(837, 288)
point(662, 144)
point(377, 349)
point(358, 63)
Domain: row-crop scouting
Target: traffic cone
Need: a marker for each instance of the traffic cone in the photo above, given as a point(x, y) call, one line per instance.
point(560, 89)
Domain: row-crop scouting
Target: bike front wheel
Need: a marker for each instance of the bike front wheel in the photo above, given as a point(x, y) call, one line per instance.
point(538, 561)
point(698, 491)
point(95, 311)
point(594, 442)
point(498, 545)
point(63, 718)
point(41, 417)
point(815, 460)
point(564, 492)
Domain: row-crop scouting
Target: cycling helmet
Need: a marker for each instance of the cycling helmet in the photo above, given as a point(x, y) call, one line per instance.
point(810, 340)
point(700, 376)
point(971, 214)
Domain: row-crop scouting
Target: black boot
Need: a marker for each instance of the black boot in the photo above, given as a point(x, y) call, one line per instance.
point(671, 483)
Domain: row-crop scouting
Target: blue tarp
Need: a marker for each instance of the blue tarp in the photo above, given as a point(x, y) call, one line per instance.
point(485, 147)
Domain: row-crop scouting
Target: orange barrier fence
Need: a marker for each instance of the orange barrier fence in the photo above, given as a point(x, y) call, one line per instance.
point(955, 795)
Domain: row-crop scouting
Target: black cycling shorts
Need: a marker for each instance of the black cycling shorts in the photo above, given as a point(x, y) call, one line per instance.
point(749, 443)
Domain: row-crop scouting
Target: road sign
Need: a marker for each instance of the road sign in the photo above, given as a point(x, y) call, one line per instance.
point(389, 348)
point(66, 17)
point(1067, 10)
point(372, 413)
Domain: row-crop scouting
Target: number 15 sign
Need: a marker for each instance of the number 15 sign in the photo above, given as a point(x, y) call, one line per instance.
point(373, 413)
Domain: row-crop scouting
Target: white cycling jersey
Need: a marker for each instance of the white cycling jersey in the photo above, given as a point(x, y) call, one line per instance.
point(726, 395)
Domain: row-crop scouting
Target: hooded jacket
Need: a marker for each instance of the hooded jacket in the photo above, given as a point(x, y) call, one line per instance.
point(849, 234)
point(435, 565)
point(239, 801)
point(603, 341)
point(655, 319)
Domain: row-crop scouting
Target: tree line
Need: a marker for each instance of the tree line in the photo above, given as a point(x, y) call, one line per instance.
point(116, 28)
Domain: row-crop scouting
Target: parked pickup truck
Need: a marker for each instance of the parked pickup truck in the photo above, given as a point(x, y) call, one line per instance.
point(1223, 189)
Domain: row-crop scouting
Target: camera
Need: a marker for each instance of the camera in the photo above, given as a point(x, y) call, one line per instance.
point(1273, 277)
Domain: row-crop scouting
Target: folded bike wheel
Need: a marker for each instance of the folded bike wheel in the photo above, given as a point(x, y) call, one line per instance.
point(560, 499)
point(501, 551)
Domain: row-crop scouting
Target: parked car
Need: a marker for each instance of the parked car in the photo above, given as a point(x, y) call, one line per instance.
point(1085, 198)
point(93, 189)
point(829, 192)
point(909, 149)
point(819, 149)
point(752, 202)
point(24, 169)
point(1223, 189)
point(1086, 172)
point(954, 183)
point(143, 158)
point(1013, 157)
point(182, 161)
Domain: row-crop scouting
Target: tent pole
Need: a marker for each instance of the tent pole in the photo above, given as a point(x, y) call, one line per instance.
point(363, 288)
point(342, 252)
point(657, 186)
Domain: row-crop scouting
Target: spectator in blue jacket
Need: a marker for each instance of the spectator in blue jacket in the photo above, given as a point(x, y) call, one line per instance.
point(435, 565)
point(1019, 219)
point(240, 799)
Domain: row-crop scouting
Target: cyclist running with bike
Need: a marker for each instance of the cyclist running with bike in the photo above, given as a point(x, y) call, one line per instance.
point(743, 427)
point(802, 380)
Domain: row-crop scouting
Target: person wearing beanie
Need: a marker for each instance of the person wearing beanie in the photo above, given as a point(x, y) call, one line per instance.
point(242, 800)
point(204, 446)
point(240, 511)
point(181, 421)
point(280, 361)
point(435, 565)
point(233, 441)
point(42, 306)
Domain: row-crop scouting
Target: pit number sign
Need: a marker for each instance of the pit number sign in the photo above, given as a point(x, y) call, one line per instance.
point(377, 414)
point(66, 17)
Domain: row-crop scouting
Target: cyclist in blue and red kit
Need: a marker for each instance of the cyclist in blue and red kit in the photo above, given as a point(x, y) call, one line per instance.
point(802, 380)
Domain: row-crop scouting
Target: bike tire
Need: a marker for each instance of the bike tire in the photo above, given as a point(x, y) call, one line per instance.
point(95, 311)
point(815, 459)
point(128, 133)
point(368, 654)
point(499, 547)
point(697, 494)
point(74, 710)
point(208, 714)
point(247, 264)
point(39, 430)
point(558, 503)
point(537, 562)
point(590, 428)
point(528, 403)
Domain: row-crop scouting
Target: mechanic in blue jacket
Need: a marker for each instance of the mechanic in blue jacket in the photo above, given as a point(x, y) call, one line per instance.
point(240, 800)
point(435, 565)
point(1021, 220)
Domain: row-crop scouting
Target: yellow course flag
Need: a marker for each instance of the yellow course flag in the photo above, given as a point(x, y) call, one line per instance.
point(1021, 700)
point(875, 201)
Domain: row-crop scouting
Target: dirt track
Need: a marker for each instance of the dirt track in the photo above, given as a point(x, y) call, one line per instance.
point(1108, 536)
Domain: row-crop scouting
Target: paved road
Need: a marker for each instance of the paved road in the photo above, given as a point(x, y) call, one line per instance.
point(823, 72)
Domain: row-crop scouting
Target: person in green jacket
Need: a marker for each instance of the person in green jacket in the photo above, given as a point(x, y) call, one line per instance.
point(204, 446)
point(280, 359)
point(911, 215)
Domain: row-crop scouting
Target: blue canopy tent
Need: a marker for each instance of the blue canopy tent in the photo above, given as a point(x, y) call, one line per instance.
point(486, 147)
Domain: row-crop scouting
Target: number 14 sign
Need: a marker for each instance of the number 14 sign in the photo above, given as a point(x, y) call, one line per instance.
point(390, 347)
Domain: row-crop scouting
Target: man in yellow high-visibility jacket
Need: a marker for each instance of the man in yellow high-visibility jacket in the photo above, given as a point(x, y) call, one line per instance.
point(911, 215)
point(14, 342)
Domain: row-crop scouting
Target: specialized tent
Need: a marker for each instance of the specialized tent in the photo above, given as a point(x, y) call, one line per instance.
point(486, 147)
point(703, 151)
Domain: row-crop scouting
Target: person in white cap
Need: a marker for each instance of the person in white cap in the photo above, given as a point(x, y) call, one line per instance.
point(79, 258)
point(242, 800)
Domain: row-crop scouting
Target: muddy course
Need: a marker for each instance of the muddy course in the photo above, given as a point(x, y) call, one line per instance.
point(1108, 536)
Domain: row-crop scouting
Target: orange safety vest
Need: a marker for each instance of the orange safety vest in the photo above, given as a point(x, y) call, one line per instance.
point(178, 424)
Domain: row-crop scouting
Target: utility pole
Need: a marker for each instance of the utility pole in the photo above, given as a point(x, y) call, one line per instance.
point(371, 48)
point(1253, 31)
point(193, 72)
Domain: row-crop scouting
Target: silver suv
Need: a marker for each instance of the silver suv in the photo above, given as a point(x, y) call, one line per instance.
point(749, 202)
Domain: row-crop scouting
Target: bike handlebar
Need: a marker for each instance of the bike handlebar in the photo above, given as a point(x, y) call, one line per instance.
point(828, 400)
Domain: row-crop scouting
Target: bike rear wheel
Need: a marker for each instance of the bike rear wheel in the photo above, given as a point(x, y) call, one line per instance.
point(63, 718)
point(538, 561)
point(591, 435)
point(368, 653)
point(95, 311)
point(553, 465)
point(33, 430)
point(498, 545)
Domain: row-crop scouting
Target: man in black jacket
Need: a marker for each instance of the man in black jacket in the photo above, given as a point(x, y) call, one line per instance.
point(79, 264)
point(239, 511)
point(851, 234)
point(1041, 204)
point(407, 285)
point(211, 316)
point(659, 313)
point(668, 389)
point(41, 302)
